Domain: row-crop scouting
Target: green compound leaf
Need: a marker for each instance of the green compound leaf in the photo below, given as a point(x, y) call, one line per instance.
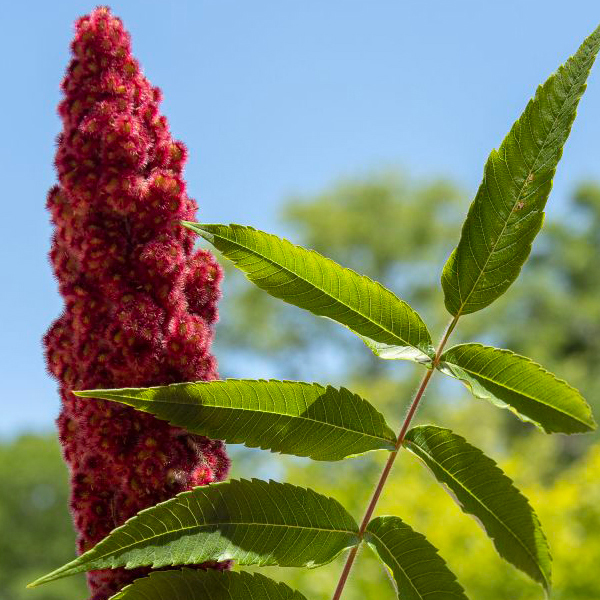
point(517, 383)
point(418, 569)
point(507, 212)
point(304, 278)
point(252, 522)
point(189, 584)
point(484, 491)
point(303, 419)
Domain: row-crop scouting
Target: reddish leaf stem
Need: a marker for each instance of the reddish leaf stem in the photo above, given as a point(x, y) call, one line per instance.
point(390, 461)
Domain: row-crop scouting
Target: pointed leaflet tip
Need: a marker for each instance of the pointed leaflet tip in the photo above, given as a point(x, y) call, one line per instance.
point(258, 522)
point(195, 227)
point(203, 230)
point(507, 212)
point(290, 417)
point(315, 283)
point(515, 382)
point(483, 491)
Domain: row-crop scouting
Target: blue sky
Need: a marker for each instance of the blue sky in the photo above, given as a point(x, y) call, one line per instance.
point(275, 98)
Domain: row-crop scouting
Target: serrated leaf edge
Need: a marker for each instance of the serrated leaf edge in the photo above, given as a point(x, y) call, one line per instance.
point(445, 367)
point(105, 395)
point(495, 152)
point(73, 564)
point(545, 582)
point(421, 355)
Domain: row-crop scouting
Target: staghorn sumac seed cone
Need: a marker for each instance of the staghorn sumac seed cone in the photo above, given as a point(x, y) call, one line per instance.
point(140, 302)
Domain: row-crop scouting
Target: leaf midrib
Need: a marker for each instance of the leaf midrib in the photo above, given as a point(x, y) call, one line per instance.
point(507, 387)
point(250, 410)
point(523, 187)
point(205, 525)
point(503, 525)
point(363, 277)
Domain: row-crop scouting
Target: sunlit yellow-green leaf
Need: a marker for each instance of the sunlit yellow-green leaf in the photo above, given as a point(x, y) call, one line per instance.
point(304, 278)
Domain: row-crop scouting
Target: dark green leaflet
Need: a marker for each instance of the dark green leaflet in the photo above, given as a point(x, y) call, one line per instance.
point(189, 584)
point(252, 522)
point(484, 491)
point(291, 417)
point(515, 382)
point(508, 209)
point(419, 571)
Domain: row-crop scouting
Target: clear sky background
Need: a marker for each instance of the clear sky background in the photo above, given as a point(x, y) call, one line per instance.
point(274, 98)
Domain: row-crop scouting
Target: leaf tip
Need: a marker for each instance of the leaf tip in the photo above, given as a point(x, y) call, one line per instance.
point(94, 394)
point(66, 570)
point(39, 581)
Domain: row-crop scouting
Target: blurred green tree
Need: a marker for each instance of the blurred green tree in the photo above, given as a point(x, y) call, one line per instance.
point(36, 529)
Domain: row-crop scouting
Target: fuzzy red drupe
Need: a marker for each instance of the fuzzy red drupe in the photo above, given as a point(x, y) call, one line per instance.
point(140, 302)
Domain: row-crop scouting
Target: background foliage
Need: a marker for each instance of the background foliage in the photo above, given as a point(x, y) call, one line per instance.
point(34, 497)
point(399, 232)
